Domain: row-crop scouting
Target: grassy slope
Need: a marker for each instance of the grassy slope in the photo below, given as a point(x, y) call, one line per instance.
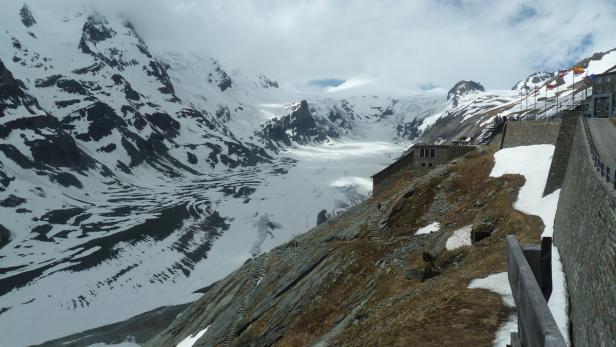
point(358, 294)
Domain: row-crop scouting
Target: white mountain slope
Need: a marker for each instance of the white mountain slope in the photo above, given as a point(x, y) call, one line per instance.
point(477, 109)
point(129, 179)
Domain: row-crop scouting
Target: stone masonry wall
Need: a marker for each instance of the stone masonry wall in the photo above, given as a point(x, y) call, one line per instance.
point(392, 173)
point(560, 161)
point(531, 132)
point(585, 234)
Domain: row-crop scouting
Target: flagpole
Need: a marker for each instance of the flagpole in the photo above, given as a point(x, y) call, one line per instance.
point(520, 100)
point(573, 87)
point(557, 105)
point(545, 103)
point(585, 91)
point(535, 107)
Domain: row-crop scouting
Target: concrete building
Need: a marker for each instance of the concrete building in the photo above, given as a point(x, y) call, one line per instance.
point(603, 90)
point(416, 161)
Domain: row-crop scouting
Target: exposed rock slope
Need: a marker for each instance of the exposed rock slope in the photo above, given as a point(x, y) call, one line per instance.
point(365, 278)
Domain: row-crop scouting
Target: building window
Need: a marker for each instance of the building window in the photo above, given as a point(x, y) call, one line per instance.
point(430, 164)
point(423, 164)
point(427, 152)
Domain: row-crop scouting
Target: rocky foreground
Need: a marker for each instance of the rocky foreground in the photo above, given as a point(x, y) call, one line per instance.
point(365, 278)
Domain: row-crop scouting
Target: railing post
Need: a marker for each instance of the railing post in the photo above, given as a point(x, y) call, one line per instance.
point(536, 324)
point(602, 169)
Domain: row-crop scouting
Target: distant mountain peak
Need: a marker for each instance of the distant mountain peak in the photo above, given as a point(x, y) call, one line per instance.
point(95, 30)
point(267, 83)
point(219, 76)
point(462, 88)
point(533, 80)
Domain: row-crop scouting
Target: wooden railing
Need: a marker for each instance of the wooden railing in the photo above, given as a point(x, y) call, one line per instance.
point(530, 278)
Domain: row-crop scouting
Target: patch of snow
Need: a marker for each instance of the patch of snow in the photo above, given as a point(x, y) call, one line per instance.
point(121, 344)
point(503, 334)
point(430, 228)
point(499, 283)
point(460, 238)
point(364, 183)
point(190, 340)
point(533, 162)
point(558, 302)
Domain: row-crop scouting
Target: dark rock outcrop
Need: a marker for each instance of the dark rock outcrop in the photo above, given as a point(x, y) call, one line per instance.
point(220, 77)
point(26, 16)
point(5, 236)
point(12, 201)
point(12, 93)
point(94, 30)
point(322, 217)
point(267, 83)
point(300, 126)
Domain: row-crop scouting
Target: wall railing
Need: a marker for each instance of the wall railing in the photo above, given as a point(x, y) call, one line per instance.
point(602, 168)
point(529, 270)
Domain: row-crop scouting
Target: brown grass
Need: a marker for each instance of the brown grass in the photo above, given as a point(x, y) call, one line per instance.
point(441, 311)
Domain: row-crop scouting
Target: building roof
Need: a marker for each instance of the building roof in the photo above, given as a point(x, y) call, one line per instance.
point(608, 73)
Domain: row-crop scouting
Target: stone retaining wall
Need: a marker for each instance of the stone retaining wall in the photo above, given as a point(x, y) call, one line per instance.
point(531, 132)
point(585, 234)
point(562, 152)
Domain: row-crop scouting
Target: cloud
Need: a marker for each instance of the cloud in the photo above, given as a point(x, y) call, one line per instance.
point(326, 82)
point(404, 44)
point(348, 84)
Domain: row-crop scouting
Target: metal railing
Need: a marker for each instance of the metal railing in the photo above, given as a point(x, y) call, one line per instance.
point(602, 168)
point(530, 278)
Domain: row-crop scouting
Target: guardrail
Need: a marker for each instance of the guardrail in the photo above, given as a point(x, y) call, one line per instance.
point(530, 278)
point(603, 169)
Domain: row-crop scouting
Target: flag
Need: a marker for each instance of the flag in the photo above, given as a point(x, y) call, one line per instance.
point(592, 77)
point(578, 70)
point(563, 73)
point(551, 86)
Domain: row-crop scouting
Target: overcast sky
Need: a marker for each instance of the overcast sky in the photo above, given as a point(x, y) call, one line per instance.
point(400, 43)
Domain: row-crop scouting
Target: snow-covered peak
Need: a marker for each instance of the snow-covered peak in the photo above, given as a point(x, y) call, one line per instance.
point(463, 88)
point(534, 80)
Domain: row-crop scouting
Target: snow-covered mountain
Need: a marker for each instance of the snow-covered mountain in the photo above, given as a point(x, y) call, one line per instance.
point(131, 178)
point(533, 81)
point(474, 111)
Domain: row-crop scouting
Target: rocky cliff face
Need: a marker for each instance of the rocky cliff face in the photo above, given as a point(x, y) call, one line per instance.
point(301, 126)
point(364, 278)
